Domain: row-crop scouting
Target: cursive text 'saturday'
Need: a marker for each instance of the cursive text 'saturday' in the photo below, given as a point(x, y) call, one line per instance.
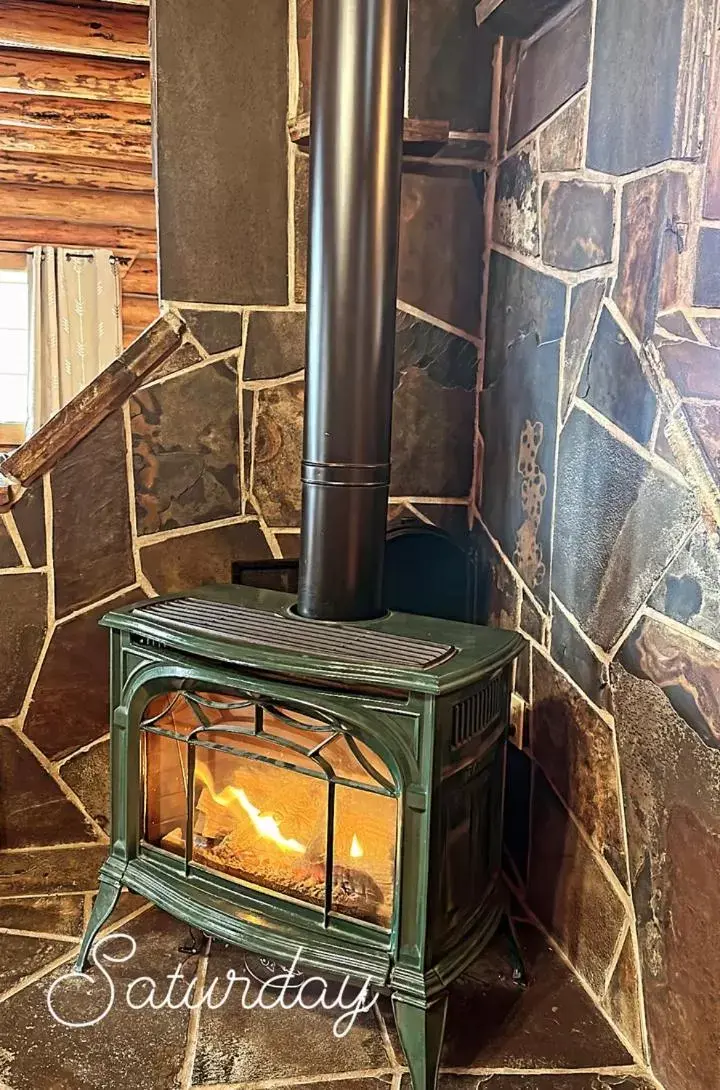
point(145, 992)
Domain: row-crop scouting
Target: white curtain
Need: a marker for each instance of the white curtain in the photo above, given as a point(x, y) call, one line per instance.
point(76, 326)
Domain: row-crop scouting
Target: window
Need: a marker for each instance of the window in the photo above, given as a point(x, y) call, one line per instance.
point(14, 355)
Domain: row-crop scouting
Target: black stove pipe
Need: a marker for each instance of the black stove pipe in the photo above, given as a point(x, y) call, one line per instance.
point(358, 87)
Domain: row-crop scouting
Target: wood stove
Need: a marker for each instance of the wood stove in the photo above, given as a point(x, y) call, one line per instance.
point(282, 783)
point(319, 773)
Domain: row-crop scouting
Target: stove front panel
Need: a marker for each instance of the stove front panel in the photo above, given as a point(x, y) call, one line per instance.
point(293, 804)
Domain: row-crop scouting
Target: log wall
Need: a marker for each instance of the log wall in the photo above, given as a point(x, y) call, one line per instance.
point(75, 136)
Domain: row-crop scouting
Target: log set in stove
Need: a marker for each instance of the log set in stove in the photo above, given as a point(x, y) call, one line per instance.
point(321, 773)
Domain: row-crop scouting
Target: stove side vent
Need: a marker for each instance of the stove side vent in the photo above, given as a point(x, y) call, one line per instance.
point(479, 712)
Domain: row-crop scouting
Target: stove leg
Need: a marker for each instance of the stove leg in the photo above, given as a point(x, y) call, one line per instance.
point(105, 901)
point(421, 1031)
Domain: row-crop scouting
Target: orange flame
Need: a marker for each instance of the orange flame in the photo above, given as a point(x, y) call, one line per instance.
point(265, 824)
point(356, 850)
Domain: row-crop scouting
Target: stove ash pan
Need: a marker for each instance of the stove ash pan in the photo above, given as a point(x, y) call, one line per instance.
point(279, 798)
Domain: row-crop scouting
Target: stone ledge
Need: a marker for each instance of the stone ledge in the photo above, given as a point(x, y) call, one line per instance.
point(91, 406)
point(423, 133)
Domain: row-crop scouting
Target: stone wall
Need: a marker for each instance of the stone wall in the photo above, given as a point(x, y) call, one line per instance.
point(201, 466)
point(597, 502)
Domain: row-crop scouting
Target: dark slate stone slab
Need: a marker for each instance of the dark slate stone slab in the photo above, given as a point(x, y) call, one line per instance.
point(622, 1001)
point(711, 195)
point(88, 774)
point(711, 329)
point(135, 1049)
point(613, 381)
point(690, 589)
point(92, 543)
point(520, 301)
point(53, 915)
point(302, 185)
point(574, 747)
point(552, 1024)
point(687, 671)
point(632, 108)
point(278, 453)
point(542, 85)
point(649, 251)
point(450, 65)
point(451, 517)
point(694, 369)
point(29, 515)
point(237, 1045)
point(33, 810)
point(532, 620)
point(433, 411)
point(577, 658)
point(193, 560)
point(707, 273)
point(510, 52)
point(618, 523)
point(21, 955)
point(585, 302)
point(562, 142)
point(704, 423)
point(222, 150)
point(523, 684)
point(56, 870)
point(500, 591)
point(569, 891)
point(578, 221)
point(187, 355)
point(518, 422)
point(23, 608)
point(70, 701)
point(560, 1081)
point(185, 449)
point(662, 445)
point(275, 345)
point(216, 330)
point(517, 810)
point(9, 556)
point(289, 545)
point(676, 322)
point(442, 240)
point(671, 783)
point(304, 39)
point(516, 220)
point(517, 18)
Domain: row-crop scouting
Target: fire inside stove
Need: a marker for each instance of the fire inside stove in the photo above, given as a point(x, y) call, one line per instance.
point(287, 802)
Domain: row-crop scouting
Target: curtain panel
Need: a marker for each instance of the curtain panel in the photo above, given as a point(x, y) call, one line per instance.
point(76, 325)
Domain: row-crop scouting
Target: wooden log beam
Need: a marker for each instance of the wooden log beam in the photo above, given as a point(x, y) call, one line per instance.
point(56, 144)
point(80, 206)
point(75, 77)
point(102, 3)
point(88, 174)
point(140, 276)
point(139, 311)
point(33, 24)
point(59, 232)
point(90, 407)
point(127, 119)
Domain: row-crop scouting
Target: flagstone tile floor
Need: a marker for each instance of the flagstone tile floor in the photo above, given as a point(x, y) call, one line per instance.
point(499, 1037)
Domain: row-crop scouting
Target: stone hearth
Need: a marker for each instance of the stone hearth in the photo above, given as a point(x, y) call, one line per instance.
point(548, 1037)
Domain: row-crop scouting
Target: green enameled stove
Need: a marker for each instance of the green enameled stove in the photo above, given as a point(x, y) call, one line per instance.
point(283, 783)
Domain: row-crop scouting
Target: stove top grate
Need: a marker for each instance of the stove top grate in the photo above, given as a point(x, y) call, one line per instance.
point(321, 638)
